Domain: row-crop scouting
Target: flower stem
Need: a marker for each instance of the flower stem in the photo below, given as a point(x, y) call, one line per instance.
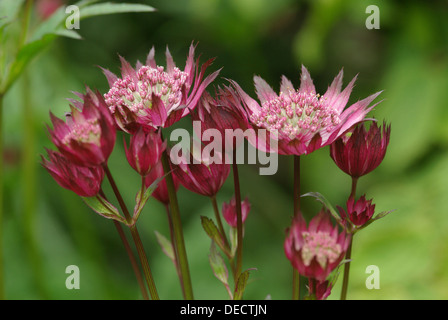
point(296, 195)
point(132, 259)
point(2, 284)
point(181, 252)
point(224, 236)
point(135, 236)
point(348, 254)
point(173, 243)
point(218, 219)
point(239, 219)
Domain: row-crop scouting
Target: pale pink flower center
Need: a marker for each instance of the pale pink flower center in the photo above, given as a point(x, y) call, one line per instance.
point(295, 114)
point(320, 245)
point(136, 93)
point(88, 131)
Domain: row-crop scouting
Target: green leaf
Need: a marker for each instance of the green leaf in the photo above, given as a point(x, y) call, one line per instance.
point(143, 196)
point(9, 10)
point(87, 9)
point(218, 265)
point(24, 56)
point(233, 235)
point(319, 197)
point(166, 245)
point(103, 208)
point(112, 8)
point(213, 232)
point(241, 284)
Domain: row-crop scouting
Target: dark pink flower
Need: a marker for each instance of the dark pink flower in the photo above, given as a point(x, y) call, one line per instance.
point(161, 191)
point(359, 212)
point(319, 289)
point(229, 211)
point(151, 96)
point(84, 181)
point(87, 137)
point(362, 151)
point(315, 250)
point(224, 113)
point(145, 150)
point(205, 174)
point(302, 121)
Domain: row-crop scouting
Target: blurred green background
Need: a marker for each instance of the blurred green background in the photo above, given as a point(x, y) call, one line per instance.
point(47, 228)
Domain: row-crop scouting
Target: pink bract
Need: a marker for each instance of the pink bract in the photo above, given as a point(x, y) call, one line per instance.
point(359, 212)
point(301, 120)
point(317, 249)
point(87, 137)
point(204, 176)
point(152, 96)
point(145, 150)
point(229, 211)
point(362, 151)
point(84, 181)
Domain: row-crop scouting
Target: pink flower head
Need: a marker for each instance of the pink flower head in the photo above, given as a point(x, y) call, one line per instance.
point(229, 211)
point(315, 251)
point(223, 113)
point(84, 181)
point(301, 120)
point(363, 151)
point(161, 191)
point(204, 175)
point(359, 212)
point(87, 137)
point(152, 96)
point(145, 150)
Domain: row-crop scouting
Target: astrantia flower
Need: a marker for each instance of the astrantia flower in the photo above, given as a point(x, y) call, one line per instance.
point(224, 113)
point(362, 151)
point(87, 137)
point(84, 181)
point(358, 213)
point(204, 175)
point(302, 120)
point(145, 150)
point(315, 250)
point(152, 96)
point(229, 211)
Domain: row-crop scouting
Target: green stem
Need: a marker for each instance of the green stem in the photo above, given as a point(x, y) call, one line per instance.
point(348, 254)
point(218, 220)
point(132, 260)
point(128, 249)
point(296, 195)
point(181, 252)
point(29, 186)
point(173, 243)
point(2, 283)
point(135, 236)
point(223, 234)
point(239, 219)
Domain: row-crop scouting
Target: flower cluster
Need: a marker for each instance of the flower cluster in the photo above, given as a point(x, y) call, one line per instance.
point(149, 98)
